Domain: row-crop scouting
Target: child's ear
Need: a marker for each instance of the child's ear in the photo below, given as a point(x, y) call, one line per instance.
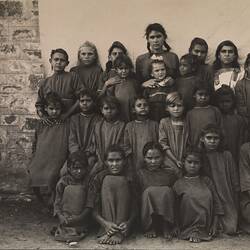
point(50, 60)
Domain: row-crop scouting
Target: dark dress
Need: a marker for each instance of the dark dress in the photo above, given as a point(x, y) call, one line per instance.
point(91, 76)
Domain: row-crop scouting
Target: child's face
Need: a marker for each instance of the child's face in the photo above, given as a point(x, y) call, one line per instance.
point(227, 55)
point(176, 109)
point(211, 141)
point(58, 62)
point(123, 71)
point(86, 103)
point(201, 97)
point(141, 107)
point(115, 163)
point(77, 170)
point(226, 104)
point(185, 67)
point(156, 40)
point(192, 165)
point(153, 159)
point(53, 110)
point(159, 71)
point(199, 51)
point(109, 111)
point(87, 55)
point(247, 68)
point(115, 53)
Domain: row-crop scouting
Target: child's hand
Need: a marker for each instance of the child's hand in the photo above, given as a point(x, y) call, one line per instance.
point(179, 164)
point(124, 228)
point(112, 81)
point(111, 228)
point(40, 113)
point(149, 84)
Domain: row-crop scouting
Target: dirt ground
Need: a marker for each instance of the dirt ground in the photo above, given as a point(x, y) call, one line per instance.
point(24, 225)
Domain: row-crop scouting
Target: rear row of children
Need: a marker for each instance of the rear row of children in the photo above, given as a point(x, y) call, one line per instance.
point(117, 171)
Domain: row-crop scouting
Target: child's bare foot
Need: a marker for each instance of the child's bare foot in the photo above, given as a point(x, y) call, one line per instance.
point(103, 239)
point(150, 233)
point(195, 239)
point(167, 234)
point(115, 239)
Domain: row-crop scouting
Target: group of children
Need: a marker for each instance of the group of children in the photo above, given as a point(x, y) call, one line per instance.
point(159, 148)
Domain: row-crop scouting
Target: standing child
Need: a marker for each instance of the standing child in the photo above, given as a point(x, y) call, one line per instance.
point(234, 126)
point(156, 95)
point(109, 130)
point(198, 203)
point(199, 47)
point(242, 92)
point(220, 166)
point(173, 132)
point(157, 197)
point(112, 198)
point(139, 132)
point(89, 68)
point(202, 114)
point(125, 91)
point(50, 147)
point(188, 79)
point(66, 84)
point(71, 194)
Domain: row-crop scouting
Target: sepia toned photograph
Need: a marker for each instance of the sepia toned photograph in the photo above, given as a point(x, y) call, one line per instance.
point(124, 124)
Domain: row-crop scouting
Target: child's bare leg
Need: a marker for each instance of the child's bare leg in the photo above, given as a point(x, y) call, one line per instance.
point(152, 232)
point(167, 234)
point(115, 239)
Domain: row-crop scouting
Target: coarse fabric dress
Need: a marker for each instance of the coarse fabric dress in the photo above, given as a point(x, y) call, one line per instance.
point(198, 203)
point(173, 136)
point(200, 117)
point(244, 166)
point(143, 64)
point(220, 166)
point(125, 92)
point(70, 201)
point(51, 151)
point(90, 75)
point(66, 84)
point(206, 74)
point(157, 197)
point(136, 135)
point(112, 196)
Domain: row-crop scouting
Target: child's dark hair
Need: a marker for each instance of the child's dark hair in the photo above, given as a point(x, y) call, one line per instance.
point(173, 97)
point(217, 62)
point(193, 151)
point(88, 92)
point(157, 27)
point(192, 60)
point(247, 61)
point(150, 68)
point(152, 145)
point(123, 60)
point(225, 90)
point(115, 148)
point(111, 101)
point(115, 44)
point(201, 85)
point(53, 98)
point(199, 41)
point(138, 97)
point(77, 156)
point(61, 51)
point(212, 128)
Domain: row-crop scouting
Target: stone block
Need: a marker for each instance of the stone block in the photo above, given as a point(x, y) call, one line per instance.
point(28, 33)
point(9, 120)
point(3, 28)
point(11, 8)
point(3, 136)
point(28, 123)
point(9, 51)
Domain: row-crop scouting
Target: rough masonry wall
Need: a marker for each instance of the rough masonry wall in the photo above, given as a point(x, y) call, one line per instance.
point(20, 70)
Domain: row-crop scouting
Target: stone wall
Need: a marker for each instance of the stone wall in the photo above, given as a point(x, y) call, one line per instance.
point(20, 70)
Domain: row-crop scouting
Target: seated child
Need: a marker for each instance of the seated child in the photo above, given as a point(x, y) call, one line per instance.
point(126, 89)
point(197, 201)
point(139, 132)
point(50, 147)
point(163, 84)
point(202, 114)
point(157, 197)
point(111, 197)
point(220, 165)
point(71, 194)
point(244, 167)
point(173, 133)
